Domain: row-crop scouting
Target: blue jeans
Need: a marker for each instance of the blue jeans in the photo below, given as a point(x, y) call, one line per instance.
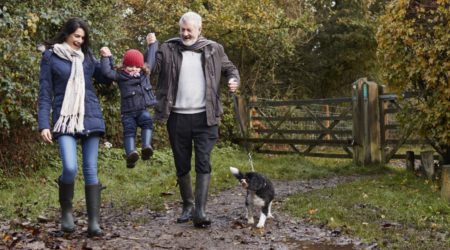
point(68, 154)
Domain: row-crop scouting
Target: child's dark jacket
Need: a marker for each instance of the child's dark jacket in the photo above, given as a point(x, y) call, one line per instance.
point(135, 92)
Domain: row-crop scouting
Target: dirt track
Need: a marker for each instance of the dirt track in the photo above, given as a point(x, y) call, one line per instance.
point(146, 229)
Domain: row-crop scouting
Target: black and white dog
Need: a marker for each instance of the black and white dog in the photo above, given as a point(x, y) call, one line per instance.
point(260, 193)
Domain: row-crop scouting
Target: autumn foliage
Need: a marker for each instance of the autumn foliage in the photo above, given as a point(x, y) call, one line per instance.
point(414, 51)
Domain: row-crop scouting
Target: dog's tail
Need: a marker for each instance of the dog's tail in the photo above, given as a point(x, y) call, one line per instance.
point(237, 173)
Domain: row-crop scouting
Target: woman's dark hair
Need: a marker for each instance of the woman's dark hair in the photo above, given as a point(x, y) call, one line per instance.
point(69, 27)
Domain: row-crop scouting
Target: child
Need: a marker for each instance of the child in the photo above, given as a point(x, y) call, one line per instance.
point(136, 97)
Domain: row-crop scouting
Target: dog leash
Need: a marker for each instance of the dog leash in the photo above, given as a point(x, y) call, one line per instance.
point(241, 129)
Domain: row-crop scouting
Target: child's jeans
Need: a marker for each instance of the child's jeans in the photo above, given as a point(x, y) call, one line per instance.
point(68, 153)
point(131, 121)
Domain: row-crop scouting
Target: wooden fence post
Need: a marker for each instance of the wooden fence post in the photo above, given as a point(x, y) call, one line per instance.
point(374, 123)
point(427, 163)
point(383, 121)
point(252, 113)
point(327, 122)
point(366, 123)
point(410, 161)
point(243, 114)
point(358, 152)
point(445, 188)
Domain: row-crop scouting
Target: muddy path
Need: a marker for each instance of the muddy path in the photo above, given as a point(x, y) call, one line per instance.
point(145, 229)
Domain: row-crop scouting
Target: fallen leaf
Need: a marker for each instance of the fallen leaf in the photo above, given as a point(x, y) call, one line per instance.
point(7, 237)
point(42, 219)
point(312, 211)
point(237, 225)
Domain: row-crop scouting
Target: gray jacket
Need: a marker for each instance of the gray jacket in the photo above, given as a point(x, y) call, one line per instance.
point(215, 63)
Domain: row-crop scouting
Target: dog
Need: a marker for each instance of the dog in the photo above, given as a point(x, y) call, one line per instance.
point(260, 193)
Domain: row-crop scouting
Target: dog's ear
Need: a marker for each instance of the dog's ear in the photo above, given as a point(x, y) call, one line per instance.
point(255, 182)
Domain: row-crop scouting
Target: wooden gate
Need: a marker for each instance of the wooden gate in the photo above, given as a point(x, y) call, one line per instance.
point(302, 126)
point(358, 127)
point(393, 137)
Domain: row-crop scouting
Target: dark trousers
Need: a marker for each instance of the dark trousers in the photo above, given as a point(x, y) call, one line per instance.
point(185, 129)
point(132, 120)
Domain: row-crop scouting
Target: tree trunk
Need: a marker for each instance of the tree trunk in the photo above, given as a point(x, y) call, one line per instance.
point(446, 154)
point(445, 188)
point(428, 163)
point(410, 161)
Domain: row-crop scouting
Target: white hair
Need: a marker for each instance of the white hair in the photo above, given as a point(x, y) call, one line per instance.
point(191, 17)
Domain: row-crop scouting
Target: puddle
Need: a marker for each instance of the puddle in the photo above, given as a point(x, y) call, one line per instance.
point(313, 245)
point(309, 245)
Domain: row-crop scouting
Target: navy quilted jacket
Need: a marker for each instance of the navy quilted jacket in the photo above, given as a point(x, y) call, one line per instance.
point(54, 74)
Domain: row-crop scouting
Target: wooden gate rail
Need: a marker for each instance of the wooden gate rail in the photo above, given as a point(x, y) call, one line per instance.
point(293, 131)
point(274, 124)
point(256, 104)
point(366, 111)
point(389, 105)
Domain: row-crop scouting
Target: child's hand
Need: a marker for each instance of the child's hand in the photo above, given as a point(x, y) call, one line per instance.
point(151, 38)
point(105, 52)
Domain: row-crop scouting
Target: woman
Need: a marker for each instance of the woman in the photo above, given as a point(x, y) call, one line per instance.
point(66, 88)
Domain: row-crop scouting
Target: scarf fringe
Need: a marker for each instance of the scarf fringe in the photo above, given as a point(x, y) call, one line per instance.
point(69, 124)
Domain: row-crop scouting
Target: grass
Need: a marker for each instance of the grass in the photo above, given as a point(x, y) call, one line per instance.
point(397, 210)
point(28, 196)
point(387, 205)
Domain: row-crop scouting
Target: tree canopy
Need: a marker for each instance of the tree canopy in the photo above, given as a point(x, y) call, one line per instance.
point(256, 35)
point(341, 49)
point(414, 51)
point(284, 49)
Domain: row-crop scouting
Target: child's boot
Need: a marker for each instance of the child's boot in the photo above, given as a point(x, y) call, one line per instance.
point(147, 150)
point(130, 150)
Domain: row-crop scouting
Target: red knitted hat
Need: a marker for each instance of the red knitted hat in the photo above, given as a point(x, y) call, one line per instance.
point(133, 57)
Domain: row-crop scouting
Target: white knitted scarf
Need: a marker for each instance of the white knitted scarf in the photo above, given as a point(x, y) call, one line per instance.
point(71, 119)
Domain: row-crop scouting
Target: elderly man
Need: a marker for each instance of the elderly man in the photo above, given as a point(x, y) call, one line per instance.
point(190, 68)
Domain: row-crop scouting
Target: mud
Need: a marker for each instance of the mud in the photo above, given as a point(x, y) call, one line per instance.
point(145, 229)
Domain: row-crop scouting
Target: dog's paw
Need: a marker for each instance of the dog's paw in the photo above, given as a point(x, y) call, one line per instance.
point(250, 221)
point(260, 225)
point(270, 216)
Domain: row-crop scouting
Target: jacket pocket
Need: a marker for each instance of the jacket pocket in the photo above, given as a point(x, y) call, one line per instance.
point(129, 101)
point(130, 94)
point(218, 109)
